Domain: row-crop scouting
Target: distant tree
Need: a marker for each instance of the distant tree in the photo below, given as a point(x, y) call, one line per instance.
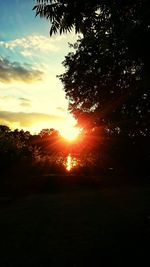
point(14, 147)
point(49, 133)
point(4, 129)
point(49, 141)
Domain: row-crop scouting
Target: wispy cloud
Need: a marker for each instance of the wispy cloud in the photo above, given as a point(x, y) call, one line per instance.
point(34, 43)
point(61, 109)
point(26, 53)
point(5, 97)
point(15, 71)
point(27, 119)
point(24, 102)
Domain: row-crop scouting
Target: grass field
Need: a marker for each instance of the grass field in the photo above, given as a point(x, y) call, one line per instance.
point(77, 227)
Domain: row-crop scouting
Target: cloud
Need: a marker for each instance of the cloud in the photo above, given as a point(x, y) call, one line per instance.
point(24, 102)
point(35, 42)
point(61, 109)
point(26, 53)
point(5, 97)
point(23, 119)
point(15, 71)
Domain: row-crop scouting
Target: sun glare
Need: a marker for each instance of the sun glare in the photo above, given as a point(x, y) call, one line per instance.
point(70, 133)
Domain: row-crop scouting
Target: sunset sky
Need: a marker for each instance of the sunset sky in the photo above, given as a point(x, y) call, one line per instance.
point(31, 97)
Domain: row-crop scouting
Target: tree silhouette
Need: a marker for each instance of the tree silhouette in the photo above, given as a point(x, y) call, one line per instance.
point(106, 87)
point(107, 76)
point(64, 15)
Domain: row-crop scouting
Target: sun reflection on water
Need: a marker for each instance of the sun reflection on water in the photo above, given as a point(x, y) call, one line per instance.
point(71, 162)
point(68, 163)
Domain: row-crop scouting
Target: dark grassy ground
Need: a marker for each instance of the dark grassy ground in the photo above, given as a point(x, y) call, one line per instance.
point(76, 226)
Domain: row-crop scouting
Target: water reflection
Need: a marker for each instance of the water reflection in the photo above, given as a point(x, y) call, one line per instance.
point(71, 162)
point(68, 163)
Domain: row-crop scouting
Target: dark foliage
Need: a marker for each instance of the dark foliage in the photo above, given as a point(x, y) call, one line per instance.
point(107, 77)
point(21, 152)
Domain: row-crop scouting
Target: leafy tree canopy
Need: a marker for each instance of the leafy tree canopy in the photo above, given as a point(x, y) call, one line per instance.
point(107, 76)
point(64, 15)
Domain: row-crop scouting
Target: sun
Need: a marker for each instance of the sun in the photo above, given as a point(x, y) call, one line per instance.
point(70, 133)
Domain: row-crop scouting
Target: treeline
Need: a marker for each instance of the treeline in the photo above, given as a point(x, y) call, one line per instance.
point(44, 153)
point(26, 160)
point(118, 153)
point(21, 152)
point(32, 163)
point(96, 151)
